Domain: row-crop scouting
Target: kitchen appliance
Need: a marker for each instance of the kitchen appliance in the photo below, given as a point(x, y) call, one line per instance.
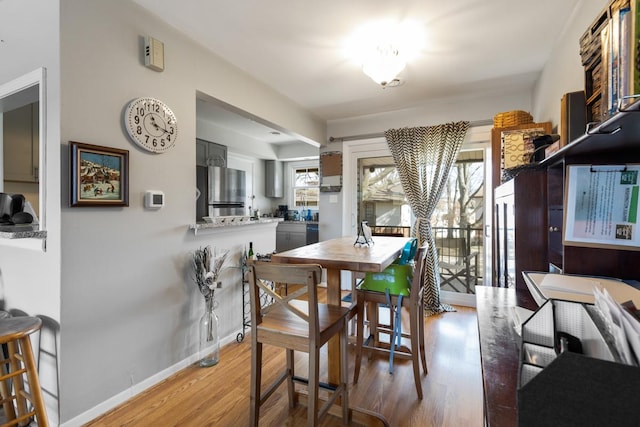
point(10, 205)
point(227, 191)
point(283, 211)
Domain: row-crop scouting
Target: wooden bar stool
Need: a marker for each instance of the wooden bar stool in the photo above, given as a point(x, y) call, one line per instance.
point(15, 332)
point(415, 304)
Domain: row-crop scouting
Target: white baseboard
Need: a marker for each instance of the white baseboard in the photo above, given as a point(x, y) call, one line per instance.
point(138, 388)
point(458, 298)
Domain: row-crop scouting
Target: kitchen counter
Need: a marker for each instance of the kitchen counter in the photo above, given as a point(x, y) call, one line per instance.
point(226, 225)
point(290, 221)
point(22, 231)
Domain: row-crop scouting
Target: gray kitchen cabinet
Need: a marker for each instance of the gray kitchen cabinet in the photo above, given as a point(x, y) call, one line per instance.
point(274, 179)
point(21, 144)
point(290, 235)
point(210, 153)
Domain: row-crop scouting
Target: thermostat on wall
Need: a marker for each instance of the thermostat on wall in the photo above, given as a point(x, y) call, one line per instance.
point(154, 199)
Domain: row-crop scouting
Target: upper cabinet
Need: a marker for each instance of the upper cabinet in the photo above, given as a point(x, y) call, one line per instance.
point(21, 142)
point(210, 153)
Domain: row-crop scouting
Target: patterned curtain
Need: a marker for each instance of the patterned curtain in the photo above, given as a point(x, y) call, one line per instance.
point(424, 157)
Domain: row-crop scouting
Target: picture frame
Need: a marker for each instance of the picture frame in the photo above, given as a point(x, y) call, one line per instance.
point(601, 206)
point(99, 176)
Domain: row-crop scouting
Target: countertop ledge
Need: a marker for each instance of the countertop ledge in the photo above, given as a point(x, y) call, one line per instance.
point(290, 221)
point(208, 226)
point(26, 231)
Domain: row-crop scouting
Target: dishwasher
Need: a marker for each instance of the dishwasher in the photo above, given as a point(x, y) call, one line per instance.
point(312, 233)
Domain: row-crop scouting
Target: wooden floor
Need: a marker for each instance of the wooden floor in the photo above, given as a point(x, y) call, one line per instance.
point(219, 395)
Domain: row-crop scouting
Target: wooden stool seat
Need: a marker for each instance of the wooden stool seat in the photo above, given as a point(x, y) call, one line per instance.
point(15, 332)
point(295, 322)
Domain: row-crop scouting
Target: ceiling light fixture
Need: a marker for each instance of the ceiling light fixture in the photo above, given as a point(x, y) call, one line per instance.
point(383, 48)
point(383, 64)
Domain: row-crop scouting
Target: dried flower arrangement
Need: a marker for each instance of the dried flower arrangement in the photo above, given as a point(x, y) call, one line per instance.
point(207, 265)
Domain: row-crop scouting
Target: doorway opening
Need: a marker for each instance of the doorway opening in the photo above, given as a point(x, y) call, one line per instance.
point(458, 221)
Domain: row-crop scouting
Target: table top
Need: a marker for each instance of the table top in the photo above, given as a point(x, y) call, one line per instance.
point(341, 253)
point(500, 351)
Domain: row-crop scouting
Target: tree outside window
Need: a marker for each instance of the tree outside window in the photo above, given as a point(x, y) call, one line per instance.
point(306, 190)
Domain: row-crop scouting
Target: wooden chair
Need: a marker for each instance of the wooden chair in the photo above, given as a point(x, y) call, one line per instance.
point(296, 322)
point(415, 304)
point(458, 264)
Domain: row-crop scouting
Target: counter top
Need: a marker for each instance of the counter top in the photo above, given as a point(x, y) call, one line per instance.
point(229, 224)
point(22, 231)
point(290, 221)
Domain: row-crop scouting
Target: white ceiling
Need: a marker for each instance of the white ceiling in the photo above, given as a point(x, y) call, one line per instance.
point(472, 47)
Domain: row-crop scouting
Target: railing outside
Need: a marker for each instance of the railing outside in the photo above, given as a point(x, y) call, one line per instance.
point(460, 254)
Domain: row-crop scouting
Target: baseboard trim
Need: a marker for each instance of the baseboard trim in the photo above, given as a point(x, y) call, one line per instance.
point(138, 388)
point(457, 298)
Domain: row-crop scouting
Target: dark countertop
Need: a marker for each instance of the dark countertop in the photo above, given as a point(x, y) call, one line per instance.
point(500, 351)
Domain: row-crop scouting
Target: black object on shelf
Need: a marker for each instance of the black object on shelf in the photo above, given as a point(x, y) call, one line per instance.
point(568, 388)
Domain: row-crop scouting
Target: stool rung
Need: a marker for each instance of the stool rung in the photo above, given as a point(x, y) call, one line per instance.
point(18, 420)
point(12, 374)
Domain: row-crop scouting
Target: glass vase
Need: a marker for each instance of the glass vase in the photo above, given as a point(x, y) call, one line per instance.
point(209, 339)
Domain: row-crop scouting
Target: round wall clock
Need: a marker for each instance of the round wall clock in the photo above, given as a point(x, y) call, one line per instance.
point(151, 124)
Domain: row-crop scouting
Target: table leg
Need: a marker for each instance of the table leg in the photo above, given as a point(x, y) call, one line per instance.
point(333, 350)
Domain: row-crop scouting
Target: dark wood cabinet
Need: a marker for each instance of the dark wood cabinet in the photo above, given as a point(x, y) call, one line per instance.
point(520, 242)
point(533, 204)
point(529, 209)
point(614, 141)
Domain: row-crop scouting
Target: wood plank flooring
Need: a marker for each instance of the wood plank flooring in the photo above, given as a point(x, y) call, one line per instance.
point(219, 395)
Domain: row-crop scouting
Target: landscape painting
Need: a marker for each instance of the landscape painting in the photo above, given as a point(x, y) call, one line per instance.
point(99, 175)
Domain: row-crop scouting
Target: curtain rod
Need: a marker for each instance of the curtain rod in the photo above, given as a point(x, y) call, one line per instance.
point(381, 134)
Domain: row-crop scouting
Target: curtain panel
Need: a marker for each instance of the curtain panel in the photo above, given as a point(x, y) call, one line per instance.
point(424, 156)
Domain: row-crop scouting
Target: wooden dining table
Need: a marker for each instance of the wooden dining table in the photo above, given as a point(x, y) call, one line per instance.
point(336, 255)
point(339, 254)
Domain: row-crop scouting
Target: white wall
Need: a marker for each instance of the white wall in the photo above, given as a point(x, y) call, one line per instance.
point(564, 72)
point(30, 278)
point(130, 308)
point(32, 26)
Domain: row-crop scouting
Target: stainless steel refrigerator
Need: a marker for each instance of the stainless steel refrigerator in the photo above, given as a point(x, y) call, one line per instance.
point(227, 191)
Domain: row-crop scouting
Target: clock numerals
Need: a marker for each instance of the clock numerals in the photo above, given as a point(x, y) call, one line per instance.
point(151, 124)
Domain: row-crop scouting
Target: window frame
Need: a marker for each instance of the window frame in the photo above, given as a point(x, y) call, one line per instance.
point(292, 180)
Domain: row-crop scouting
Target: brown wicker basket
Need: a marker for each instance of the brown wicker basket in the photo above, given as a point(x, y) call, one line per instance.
point(511, 118)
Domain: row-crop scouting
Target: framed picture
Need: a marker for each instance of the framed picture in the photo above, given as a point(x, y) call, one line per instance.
point(99, 175)
point(601, 206)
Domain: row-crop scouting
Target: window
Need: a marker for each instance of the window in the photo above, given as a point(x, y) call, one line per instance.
point(306, 187)
point(382, 203)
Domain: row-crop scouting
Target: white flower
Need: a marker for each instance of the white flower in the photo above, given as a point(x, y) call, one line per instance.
point(206, 268)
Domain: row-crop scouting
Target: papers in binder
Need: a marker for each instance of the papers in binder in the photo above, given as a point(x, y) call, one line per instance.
point(519, 316)
point(613, 316)
point(572, 284)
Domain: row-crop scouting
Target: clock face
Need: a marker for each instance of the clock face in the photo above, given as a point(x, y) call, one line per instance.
point(151, 124)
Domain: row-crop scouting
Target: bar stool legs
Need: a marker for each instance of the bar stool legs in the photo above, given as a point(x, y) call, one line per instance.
point(14, 332)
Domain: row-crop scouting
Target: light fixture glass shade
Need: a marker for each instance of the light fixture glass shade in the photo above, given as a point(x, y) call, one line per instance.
point(383, 64)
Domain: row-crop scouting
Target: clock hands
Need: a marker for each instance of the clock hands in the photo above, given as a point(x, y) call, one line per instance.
point(154, 124)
